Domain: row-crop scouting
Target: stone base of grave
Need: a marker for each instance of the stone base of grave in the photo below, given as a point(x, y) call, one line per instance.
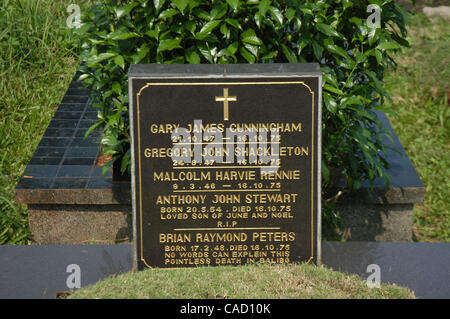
point(375, 222)
point(70, 202)
point(84, 224)
point(380, 215)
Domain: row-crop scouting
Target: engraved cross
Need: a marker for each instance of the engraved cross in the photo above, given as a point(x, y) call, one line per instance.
point(225, 99)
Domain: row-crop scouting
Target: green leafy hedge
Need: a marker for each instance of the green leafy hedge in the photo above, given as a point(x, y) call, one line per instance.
point(335, 33)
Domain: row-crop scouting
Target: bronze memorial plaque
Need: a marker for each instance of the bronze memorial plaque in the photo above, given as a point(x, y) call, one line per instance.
point(226, 164)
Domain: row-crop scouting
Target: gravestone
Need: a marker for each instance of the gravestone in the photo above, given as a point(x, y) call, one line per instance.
point(225, 164)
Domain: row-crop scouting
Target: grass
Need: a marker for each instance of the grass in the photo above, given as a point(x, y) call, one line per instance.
point(420, 91)
point(260, 281)
point(37, 62)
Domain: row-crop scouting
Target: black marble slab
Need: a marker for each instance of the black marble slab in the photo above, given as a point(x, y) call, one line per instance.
point(423, 267)
point(40, 271)
point(65, 158)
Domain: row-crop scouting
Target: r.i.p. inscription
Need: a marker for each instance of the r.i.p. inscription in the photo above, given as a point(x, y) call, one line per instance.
point(225, 164)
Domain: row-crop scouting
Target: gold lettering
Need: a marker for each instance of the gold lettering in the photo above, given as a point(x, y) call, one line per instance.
point(280, 174)
point(180, 199)
point(181, 176)
point(163, 128)
point(273, 236)
point(174, 238)
point(270, 198)
point(220, 237)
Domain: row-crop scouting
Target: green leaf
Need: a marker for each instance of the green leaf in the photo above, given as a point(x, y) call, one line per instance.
point(335, 49)
point(317, 50)
point(355, 20)
point(276, 15)
point(234, 4)
point(352, 100)
point(207, 29)
point(119, 35)
point(181, 4)
point(211, 38)
point(247, 55)
point(329, 102)
point(388, 46)
point(327, 30)
point(306, 10)
point(141, 53)
point(168, 13)
point(169, 45)
point(158, 4)
point(253, 49)
point(258, 19)
point(125, 161)
point(290, 56)
point(330, 78)
point(225, 30)
point(347, 3)
point(177, 60)
point(109, 140)
point(263, 7)
point(190, 26)
point(83, 76)
point(290, 14)
point(119, 61)
point(116, 87)
point(92, 128)
point(192, 56)
point(269, 55)
point(108, 165)
point(153, 33)
point(360, 57)
point(193, 4)
point(95, 59)
point(325, 172)
point(249, 36)
point(348, 64)
point(218, 11)
point(378, 56)
point(234, 23)
point(373, 35)
point(233, 47)
point(124, 10)
point(206, 52)
point(202, 14)
point(333, 89)
point(224, 52)
point(401, 41)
